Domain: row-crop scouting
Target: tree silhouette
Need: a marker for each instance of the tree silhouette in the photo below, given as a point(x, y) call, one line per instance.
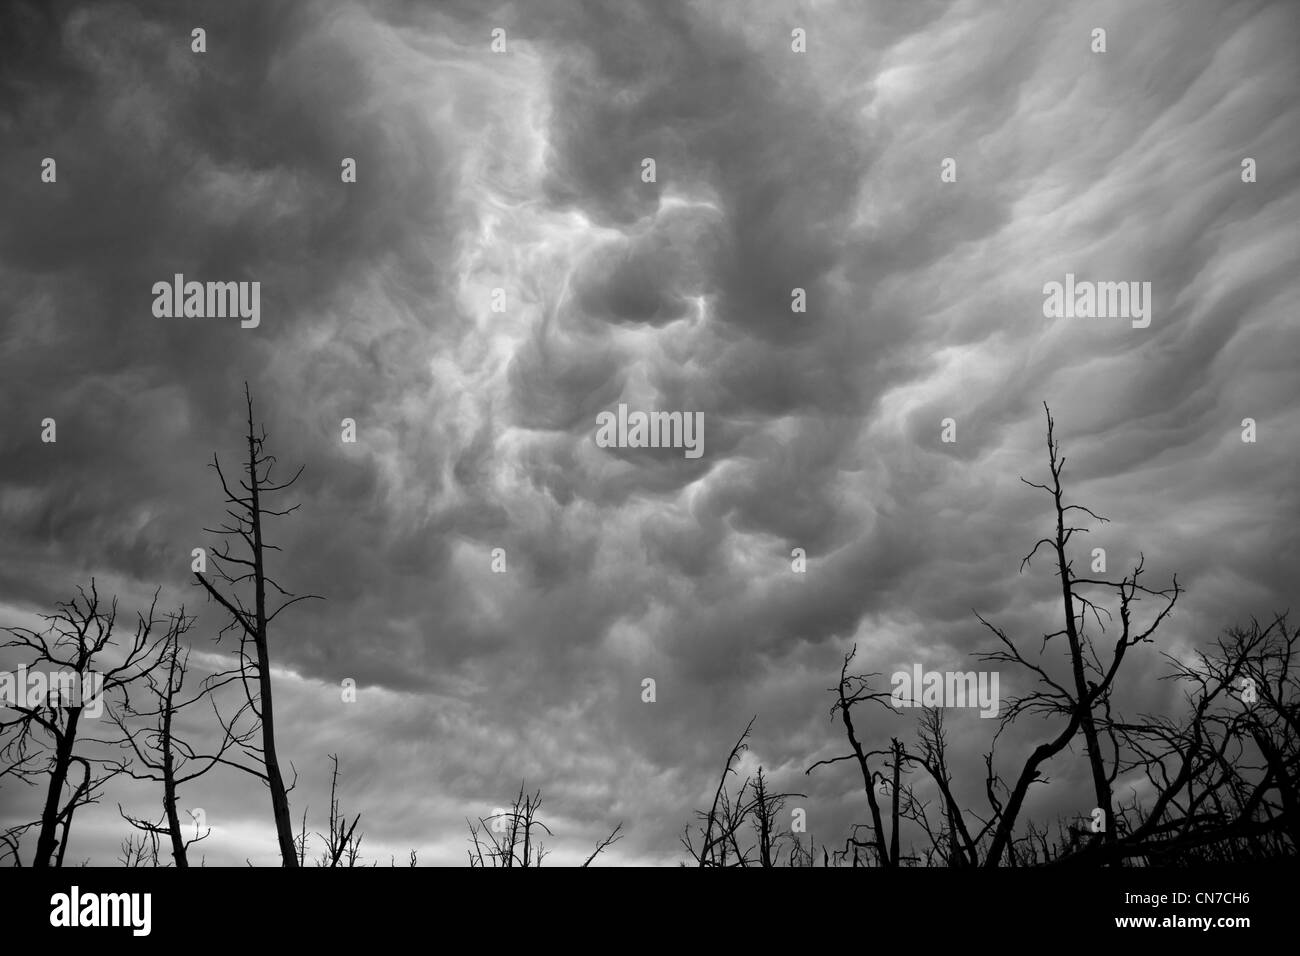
point(342, 843)
point(512, 837)
point(724, 821)
point(1091, 679)
point(248, 512)
point(42, 740)
point(150, 735)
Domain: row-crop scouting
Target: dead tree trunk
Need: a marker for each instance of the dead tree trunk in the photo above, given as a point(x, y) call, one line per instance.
point(249, 510)
point(1101, 786)
point(1082, 697)
point(159, 753)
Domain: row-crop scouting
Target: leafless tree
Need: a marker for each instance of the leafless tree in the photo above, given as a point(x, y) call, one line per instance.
point(1077, 699)
point(139, 850)
point(78, 644)
point(342, 843)
point(958, 846)
point(1220, 782)
point(247, 510)
point(720, 823)
point(767, 807)
point(723, 825)
point(512, 837)
point(156, 751)
point(852, 690)
point(614, 837)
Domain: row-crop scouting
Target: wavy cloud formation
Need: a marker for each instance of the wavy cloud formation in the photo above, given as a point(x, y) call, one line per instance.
point(522, 172)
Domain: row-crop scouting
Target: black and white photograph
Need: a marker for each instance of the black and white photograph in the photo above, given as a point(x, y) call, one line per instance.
point(442, 435)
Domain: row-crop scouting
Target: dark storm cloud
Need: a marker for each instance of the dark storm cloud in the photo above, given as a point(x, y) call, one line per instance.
point(521, 172)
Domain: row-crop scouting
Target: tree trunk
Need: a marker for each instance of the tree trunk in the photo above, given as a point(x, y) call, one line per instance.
point(279, 797)
point(47, 840)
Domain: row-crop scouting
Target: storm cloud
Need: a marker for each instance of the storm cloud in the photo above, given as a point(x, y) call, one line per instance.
point(522, 172)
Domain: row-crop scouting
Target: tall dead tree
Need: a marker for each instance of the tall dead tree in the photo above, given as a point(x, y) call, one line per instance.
point(1075, 702)
point(1087, 690)
point(248, 511)
point(75, 646)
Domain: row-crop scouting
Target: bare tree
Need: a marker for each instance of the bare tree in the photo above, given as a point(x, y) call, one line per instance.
point(958, 847)
point(1091, 679)
point(78, 643)
point(723, 825)
point(342, 843)
point(1222, 781)
point(511, 837)
point(139, 851)
point(1081, 701)
point(720, 823)
point(766, 828)
point(854, 689)
point(160, 753)
point(247, 511)
point(614, 837)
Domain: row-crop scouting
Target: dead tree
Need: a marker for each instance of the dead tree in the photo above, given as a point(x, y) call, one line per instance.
point(720, 823)
point(510, 838)
point(1087, 695)
point(74, 644)
point(959, 847)
point(1078, 702)
point(614, 837)
point(1087, 690)
point(139, 851)
point(854, 689)
point(767, 806)
point(904, 805)
point(342, 843)
point(150, 734)
point(723, 824)
point(247, 511)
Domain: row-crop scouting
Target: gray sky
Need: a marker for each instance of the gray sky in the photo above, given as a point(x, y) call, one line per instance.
point(522, 171)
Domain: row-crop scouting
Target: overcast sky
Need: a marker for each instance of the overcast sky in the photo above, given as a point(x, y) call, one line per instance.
point(522, 171)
